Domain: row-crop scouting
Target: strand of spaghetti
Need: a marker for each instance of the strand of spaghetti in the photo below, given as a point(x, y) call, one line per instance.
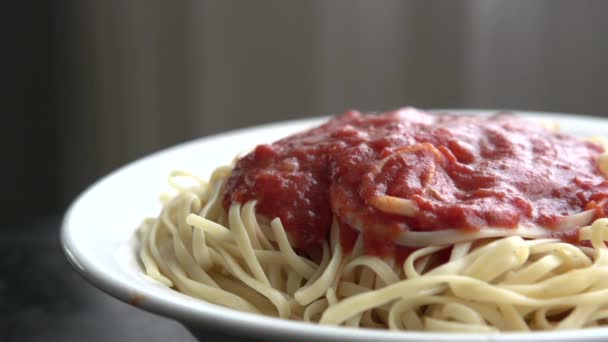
point(325, 258)
point(333, 287)
point(451, 308)
point(577, 318)
point(357, 249)
point(462, 286)
point(570, 255)
point(599, 234)
point(599, 315)
point(215, 211)
point(213, 199)
point(511, 319)
point(421, 264)
point(315, 309)
point(404, 312)
point(211, 294)
point(275, 277)
point(217, 230)
point(313, 291)
point(183, 203)
point(561, 285)
point(424, 304)
point(524, 311)
point(266, 230)
point(248, 228)
point(261, 233)
point(398, 205)
point(175, 174)
point(541, 321)
point(200, 290)
point(575, 220)
point(509, 254)
point(465, 288)
point(226, 263)
point(251, 224)
point(348, 289)
point(488, 311)
point(354, 321)
point(461, 313)
point(151, 243)
point(277, 298)
point(446, 326)
point(412, 321)
point(460, 250)
point(292, 258)
point(394, 205)
point(478, 255)
point(534, 271)
point(190, 202)
point(379, 282)
point(452, 236)
point(268, 256)
point(330, 294)
point(395, 315)
point(199, 243)
point(200, 250)
point(377, 265)
point(234, 285)
point(409, 269)
point(344, 287)
point(602, 283)
point(367, 279)
point(242, 239)
point(185, 259)
point(148, 260)
point(602, 162)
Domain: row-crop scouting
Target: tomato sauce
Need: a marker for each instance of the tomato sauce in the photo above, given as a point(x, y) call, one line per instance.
point(461, 172)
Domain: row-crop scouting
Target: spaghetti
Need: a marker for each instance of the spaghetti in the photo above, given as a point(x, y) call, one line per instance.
point(467, 278)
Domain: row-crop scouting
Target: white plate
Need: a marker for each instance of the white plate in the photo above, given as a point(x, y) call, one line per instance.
point(98, 229)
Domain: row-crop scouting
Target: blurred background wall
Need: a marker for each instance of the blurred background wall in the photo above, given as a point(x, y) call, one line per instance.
point(94, 84)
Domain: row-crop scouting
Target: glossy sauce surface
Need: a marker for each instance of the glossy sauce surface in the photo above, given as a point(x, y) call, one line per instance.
point(462, 172)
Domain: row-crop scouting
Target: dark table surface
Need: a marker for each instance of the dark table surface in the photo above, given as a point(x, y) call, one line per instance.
point(43, 299)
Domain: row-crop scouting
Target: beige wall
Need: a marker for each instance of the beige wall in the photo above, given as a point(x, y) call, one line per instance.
point(136, 76)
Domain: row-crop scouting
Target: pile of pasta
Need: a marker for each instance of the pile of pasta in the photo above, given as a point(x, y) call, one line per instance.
point(245, 262)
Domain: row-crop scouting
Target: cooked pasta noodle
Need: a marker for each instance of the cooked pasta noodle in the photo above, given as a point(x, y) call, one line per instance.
point(490, 283)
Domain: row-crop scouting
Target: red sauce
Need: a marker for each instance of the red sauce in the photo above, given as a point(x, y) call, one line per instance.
point(463, 172)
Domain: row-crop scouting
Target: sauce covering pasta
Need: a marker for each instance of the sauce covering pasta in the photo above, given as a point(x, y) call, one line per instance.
point(406, 170)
